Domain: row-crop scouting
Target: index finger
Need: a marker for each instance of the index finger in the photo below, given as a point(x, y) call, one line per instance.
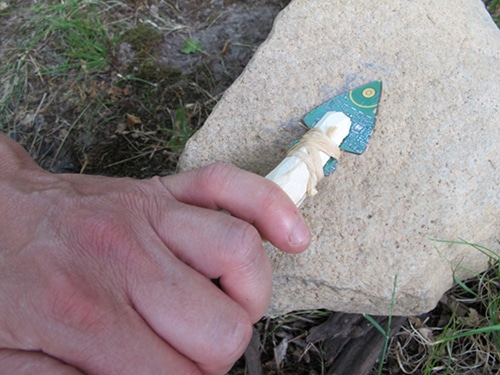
point(247, 196)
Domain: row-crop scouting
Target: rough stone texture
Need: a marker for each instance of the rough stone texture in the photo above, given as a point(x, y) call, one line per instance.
point(431, 169)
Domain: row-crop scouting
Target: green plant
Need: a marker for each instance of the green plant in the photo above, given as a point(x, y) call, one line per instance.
point(78, 34)
point(180, 131)
point(494, 9)
point(385, 332)
point(72, 39)
point(472, 335)
point(191, 46)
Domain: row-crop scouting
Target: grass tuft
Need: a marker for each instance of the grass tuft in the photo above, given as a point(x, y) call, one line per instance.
point(462, 335)
point(68, 40)
point(89, 67)
point(493, 7)
point(78, 35)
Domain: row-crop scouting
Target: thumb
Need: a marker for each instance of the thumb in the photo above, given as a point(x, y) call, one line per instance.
point(32, 363)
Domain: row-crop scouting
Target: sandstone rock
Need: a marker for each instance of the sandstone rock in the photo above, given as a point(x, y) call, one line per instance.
point(431, 169)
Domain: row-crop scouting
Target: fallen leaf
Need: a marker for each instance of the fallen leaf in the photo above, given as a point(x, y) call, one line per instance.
point(115, 93)
point(132, 120)
point(120, 128)
point(280, 352)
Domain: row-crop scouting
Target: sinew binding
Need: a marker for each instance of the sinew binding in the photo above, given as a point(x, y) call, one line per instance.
point(344, 122)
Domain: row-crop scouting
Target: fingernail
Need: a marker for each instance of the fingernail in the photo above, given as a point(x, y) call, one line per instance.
point(299, 235)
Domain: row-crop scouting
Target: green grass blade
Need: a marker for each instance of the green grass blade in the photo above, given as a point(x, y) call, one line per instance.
point(483, 249)
point(493, 5)
point(477, 331)
point(464, 286)
point(375, 324)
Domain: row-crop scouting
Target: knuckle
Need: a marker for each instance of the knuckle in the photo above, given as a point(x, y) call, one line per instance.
point(216, 170)
point(233, 338)
point(272, 193)
point(239, 337)
point(143, 197)
point(105, 229)
point(242, 245)
point(72, 306)
point(102, 236)
point(216, 176)
point(105, 244)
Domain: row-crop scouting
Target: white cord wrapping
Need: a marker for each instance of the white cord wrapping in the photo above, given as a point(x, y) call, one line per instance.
point(302, 169)
point(308, 150)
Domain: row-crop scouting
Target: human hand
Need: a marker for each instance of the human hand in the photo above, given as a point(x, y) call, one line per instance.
point(113, 276)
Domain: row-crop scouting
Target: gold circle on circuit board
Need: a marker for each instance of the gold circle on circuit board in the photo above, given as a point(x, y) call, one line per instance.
point(369, 92)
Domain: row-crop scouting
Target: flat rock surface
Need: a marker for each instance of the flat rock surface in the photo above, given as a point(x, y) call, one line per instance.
point(431, 167)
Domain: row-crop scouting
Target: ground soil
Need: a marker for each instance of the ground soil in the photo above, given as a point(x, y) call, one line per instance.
point(164, 79)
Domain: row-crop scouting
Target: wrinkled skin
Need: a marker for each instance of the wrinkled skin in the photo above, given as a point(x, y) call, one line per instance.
point(111, 276)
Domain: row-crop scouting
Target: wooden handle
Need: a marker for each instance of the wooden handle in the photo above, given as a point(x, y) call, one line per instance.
point(302, 169)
